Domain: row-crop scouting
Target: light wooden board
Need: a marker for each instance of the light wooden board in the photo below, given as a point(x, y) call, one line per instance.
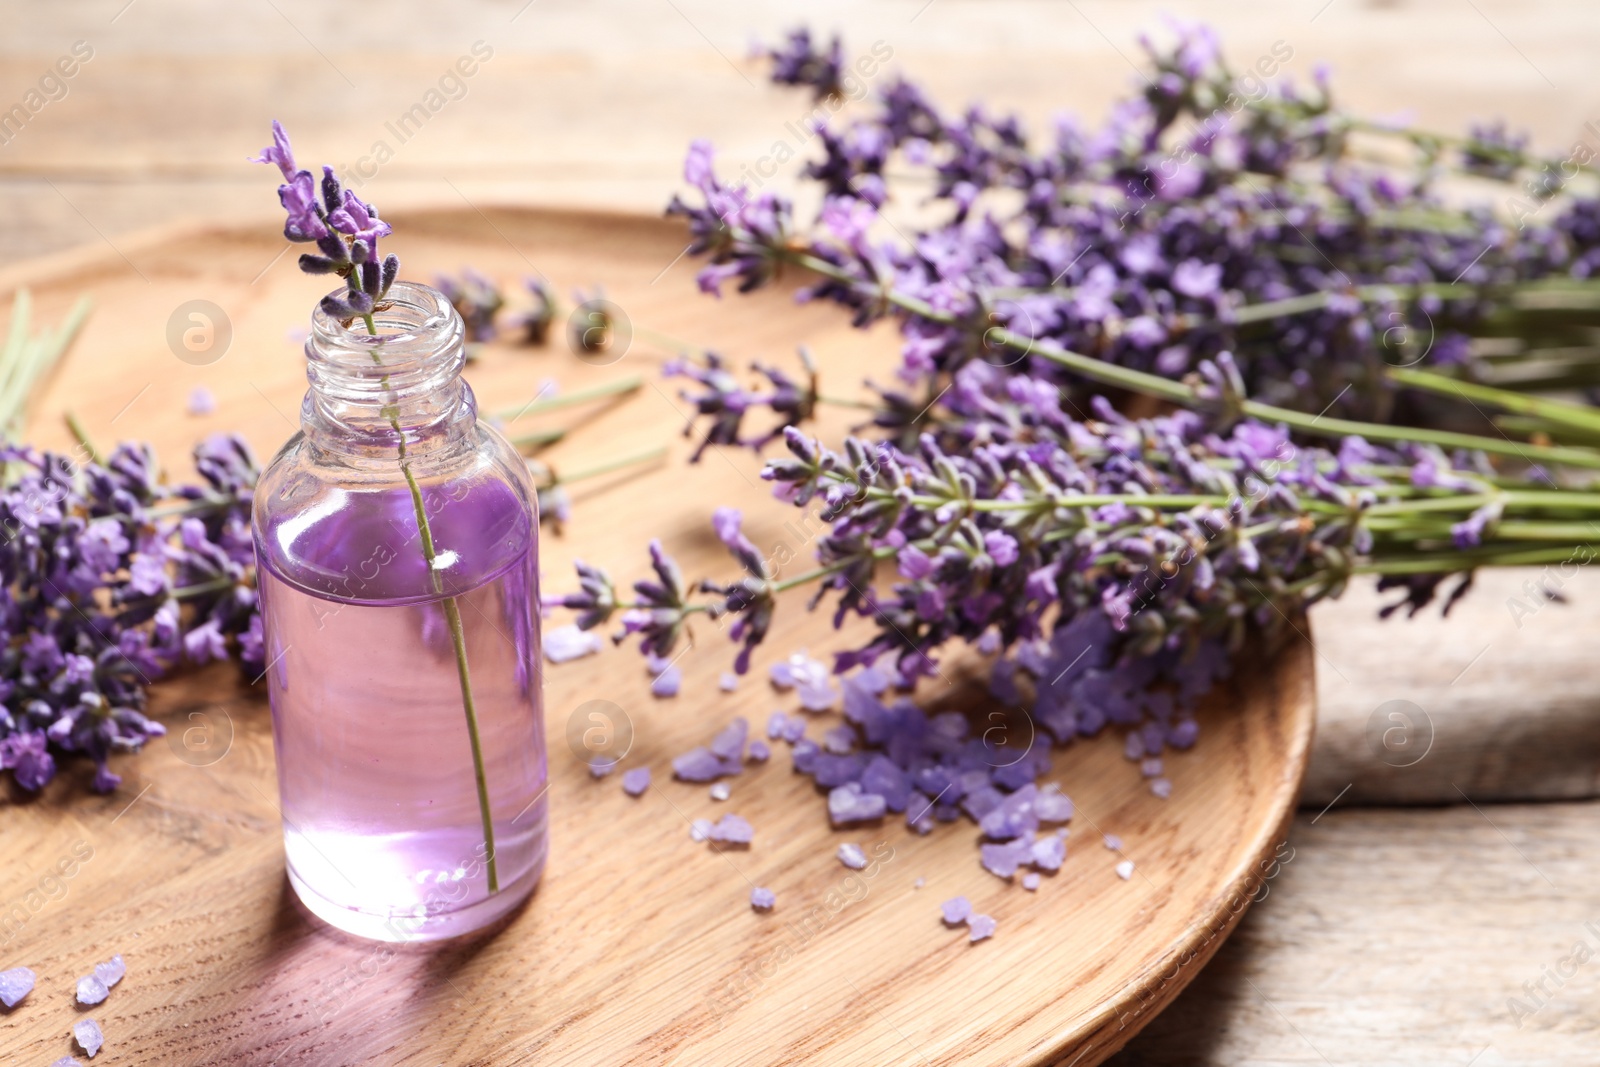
point(640, 946)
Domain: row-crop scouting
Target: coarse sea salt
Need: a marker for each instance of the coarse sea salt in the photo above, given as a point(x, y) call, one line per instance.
point(66, 1061)
point(87, 1034)
point(91, 990)
point(1161, 787)
point(980, 927)
point(15, 984)
point(636, 781)
point(729, 681)
point(700, 829)
point(1030, 881)
point(720, 791)
point(565, 643)
point(1125, 870)
point(759, 752)
point(732, 829)
point(852, 856)
point(956, 910)
point(762, 899)
point(1113, 842)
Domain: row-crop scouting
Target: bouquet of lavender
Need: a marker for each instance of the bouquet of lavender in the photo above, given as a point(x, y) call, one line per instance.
point(1236, 258)
point(110, 580)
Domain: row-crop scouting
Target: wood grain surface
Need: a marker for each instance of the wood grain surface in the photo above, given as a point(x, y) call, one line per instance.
point(640, 946)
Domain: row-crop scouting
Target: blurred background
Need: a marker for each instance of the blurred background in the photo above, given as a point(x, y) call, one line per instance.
point(1430, 895)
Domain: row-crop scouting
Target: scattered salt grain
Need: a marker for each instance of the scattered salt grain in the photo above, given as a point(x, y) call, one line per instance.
point(1051, 805)
point(91, 990)
point(762, 899)
point(840, 740)
point(981, 926)
point(88, 1035)
point(759, 752)
point(636, 781)
point(66, 1061)
point(700, 829)
point(1030, 881)
point(667, 682)
point(1003, 860)
point(732, 829)
point(1161, 787)
point(848, 804)
point(956, 910)
point(809, 678)
point(1113, 842)
point(1048, 853)
point(14, 985)
point(566, 643)
point(1125, 870)
point(729, 682)
point(201, 402)
point(729, 742)
point(702, 765)
point(852, 856)
point(1151, 767)
point(919, 883)
point(720, 791)
point(600, 766)
point(776, 724)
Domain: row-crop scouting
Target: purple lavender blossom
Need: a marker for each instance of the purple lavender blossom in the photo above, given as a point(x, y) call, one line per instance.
point(345, 229)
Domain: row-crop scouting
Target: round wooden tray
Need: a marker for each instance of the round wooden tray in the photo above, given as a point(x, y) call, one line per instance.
point(640, 946)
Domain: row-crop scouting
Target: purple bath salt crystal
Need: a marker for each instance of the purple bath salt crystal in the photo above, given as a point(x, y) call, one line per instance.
point(980, 927)
point(700, 829)
point(66, 1061)
point(729, 743)
point(887, 781)
point(852, 856)
point(1048, 852)
point(762, 899)
point(840, 740)
point(1113, 842)
point(871, 679)
point(1003, 860)
point(1151, 767)
point(848, 804)
point(806, 753)
point(667, 682)
point(1030, 881)
point(600, 766)
point(809, 678)
point(1125, 870)
point(636, 781)
point(566, 643)
point(1051, 805)
point(980, 802)
point(831, 770)
point(1133, 746)
point(794, 730)
point(14, 985)
point(732, 829)
point(1013, 816)
point(700, 764)
point(776, 724)
point(1161, 787)
point(87, 1034)
point(956, 910)
point(1184, 734)
point(91, 990)
point(201, 401)
point(728, 682)
point(720, 791)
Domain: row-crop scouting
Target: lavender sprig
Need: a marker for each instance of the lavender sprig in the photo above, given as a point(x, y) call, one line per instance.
point(344, 228)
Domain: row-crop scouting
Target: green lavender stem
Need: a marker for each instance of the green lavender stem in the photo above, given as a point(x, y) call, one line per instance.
point(1178, 393)
point(458, 634)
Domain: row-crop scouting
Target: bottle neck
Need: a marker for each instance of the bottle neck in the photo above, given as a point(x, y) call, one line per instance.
point(376, 396)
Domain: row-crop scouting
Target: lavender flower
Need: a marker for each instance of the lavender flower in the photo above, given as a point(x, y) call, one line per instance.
point(109, 580)
point(476, 299)
point(345, 229)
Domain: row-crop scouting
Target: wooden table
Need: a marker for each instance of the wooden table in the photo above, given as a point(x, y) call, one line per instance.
point(1421, 898)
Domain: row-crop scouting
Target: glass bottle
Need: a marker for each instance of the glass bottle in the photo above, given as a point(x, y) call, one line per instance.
point(397, 542)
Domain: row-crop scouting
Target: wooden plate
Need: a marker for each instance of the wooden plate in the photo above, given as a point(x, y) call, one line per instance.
point(640, 946)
